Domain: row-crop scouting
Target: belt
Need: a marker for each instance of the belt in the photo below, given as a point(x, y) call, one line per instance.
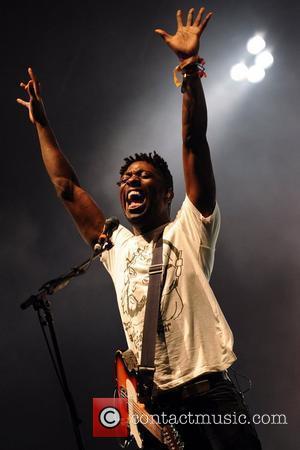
point(198, 385)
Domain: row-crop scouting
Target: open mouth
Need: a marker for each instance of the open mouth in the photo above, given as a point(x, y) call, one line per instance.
point(136, 200)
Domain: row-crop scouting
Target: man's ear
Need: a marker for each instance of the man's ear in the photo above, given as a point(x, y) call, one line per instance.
point(170, 195)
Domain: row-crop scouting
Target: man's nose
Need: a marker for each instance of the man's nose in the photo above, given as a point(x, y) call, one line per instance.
point(134, 180)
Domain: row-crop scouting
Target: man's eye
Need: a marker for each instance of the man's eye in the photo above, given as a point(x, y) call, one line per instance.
point(125, 178)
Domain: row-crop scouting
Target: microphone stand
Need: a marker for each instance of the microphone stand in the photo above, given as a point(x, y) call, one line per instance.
point(42, 305)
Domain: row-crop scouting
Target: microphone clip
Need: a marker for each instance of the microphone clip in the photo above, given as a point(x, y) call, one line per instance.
point(104, 242)
point(102, 245)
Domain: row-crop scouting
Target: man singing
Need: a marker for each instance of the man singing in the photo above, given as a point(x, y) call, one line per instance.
point(194, 342)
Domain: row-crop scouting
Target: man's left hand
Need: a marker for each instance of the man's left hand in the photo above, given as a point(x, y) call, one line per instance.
point(185, 43)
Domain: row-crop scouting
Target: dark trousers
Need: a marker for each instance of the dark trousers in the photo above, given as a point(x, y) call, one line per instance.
point(220, 403)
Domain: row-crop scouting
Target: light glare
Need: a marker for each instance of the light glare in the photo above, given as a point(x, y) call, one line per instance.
point(255, 45)
point(255, 74)
point(239, 72)
point(264, 59)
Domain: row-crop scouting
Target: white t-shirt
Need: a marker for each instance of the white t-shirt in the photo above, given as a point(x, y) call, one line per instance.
point(193, 335)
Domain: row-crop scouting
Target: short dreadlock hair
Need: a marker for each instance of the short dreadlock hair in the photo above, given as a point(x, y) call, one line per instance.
point(156, 160)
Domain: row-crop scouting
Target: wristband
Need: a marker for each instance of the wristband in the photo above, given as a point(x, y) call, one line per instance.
point(193, 66)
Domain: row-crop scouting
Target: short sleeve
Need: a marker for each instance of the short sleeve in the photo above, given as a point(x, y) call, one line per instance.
point(109, 257)
point(201, 232)
point(206, 229)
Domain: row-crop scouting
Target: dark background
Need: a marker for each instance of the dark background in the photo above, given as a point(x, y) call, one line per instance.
point(107, 84)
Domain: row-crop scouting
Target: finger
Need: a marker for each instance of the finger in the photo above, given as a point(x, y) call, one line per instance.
point(199, 16)
point(31, 89)
point(162, 33)
point(25, 87)
point(22, 102)
point(32, 75)
point(35, 80)
point(205, 22)
point(190, 17)
point(179, 19)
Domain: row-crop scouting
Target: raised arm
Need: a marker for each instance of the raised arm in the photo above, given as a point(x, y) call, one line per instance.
point(198, 171)
point(85, 212)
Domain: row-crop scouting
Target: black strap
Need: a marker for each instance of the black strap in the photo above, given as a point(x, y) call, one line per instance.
point(152, 309)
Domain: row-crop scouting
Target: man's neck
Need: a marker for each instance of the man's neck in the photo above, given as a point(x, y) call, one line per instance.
point(139, 229)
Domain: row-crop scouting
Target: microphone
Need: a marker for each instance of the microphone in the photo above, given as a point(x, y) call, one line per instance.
point(110, 225)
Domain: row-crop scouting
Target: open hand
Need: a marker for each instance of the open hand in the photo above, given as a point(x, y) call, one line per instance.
point(185, 43)
point(35, 106)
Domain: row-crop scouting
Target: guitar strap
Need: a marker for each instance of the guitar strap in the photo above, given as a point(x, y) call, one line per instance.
point(146, 368)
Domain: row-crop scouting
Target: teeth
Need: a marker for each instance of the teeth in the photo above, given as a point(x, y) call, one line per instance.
point(131, 193)
point(135, 196)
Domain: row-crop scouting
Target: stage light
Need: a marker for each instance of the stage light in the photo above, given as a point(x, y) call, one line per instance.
point(256, 44)
point(255, 74)
point(239, 72)
point(264, 59)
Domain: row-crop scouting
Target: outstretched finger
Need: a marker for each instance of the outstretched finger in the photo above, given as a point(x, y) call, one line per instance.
point(199, 16)
point(179, 18)
point(162, 33)
point(31, 89)
point(190, 17)
point(205, 21)
point(22, 102)
point(23, 85)
point(35, 81)
point(32, 75)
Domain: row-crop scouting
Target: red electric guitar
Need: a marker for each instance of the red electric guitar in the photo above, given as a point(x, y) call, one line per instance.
point(127, 386)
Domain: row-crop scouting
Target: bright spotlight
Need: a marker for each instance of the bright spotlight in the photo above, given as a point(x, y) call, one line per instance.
point(256, 44)
point(264, 59)
point(255, 74)
point(239, 72)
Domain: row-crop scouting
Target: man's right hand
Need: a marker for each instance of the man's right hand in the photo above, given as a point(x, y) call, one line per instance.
point(35, 106)
point(84, 210)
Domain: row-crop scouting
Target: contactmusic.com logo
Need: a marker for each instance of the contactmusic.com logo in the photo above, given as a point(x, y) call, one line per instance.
point(110, 417)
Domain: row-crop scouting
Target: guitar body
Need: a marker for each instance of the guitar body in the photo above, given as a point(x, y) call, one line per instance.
point(128, 387)
point(124, 373)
